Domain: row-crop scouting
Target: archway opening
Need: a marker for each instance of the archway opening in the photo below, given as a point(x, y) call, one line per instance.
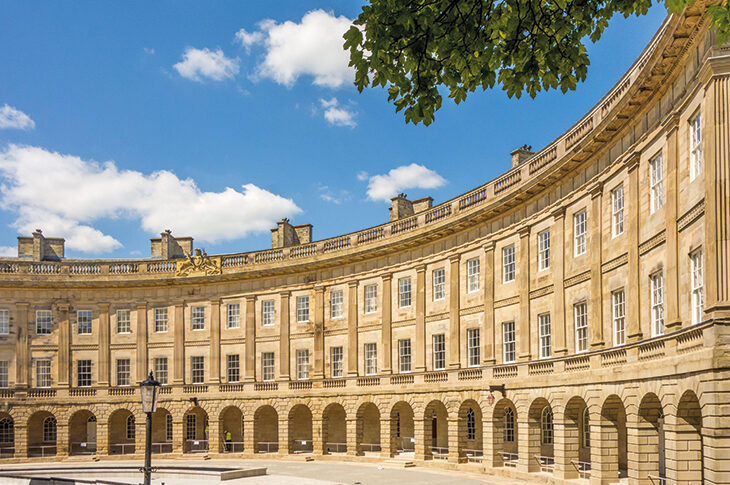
point(196, 430)
point(470, 432)
point(162, 431)
point(402, 433)
point(42, 432)
point(82, 433)
point(541, 437)
point(334, 429)
point(436, 431)
point(649, 452)
point(368, 429)
point(612, 466)
point(122, 432)
point(231, 430)
point(577, 439)
point(504, 436)
point(266, 430)
point(300, 430)
point(690, 463)
point(7, 436)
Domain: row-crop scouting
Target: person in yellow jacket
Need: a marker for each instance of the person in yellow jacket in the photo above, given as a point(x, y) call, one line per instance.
point(228, 441)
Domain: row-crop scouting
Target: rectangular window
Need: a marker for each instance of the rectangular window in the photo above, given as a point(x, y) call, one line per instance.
point(618, 299)
point(160, 319)
point(303, 364)
point(439, 284)
point(268, 312)
point(657, 304)
point(336, 361)
point(4, 322)
point(233, 368)
point(404, 292)
point(197, 319)
point(43, 322)
point(695, 147)
point(4, 374)
point(124, 324)
point(508, 264)
point(197, 369)
point(580, 317)
point(472, 274)
point(546, 345)
point(190, 427)
point(543, 250)
point(160, 366)
point(473, 349)
point(617, 202)
point(83, 322)
point(123, 372)
point(508, 342)
point(43, 373)
point(404, 355)
point(267, 366)
point(83, 373)
point(580, 231)
point(371, 359)
point(371, 298)
point(336, 298)
point(439, 352)
point(234, 315)
point(656, 176)
point(302, 309)
point(698, 295)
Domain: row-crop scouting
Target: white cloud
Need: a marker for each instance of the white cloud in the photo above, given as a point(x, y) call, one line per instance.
point(363, 176)
point(335, 197)
point(14, 118)
point(64, 195)
point(149, 50)
point(413, 176)
point(337, 116)
point(8, 251)
point(198, 64)
point(313, 47)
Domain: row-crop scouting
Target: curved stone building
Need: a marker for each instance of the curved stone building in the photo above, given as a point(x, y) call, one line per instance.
point(567, 319)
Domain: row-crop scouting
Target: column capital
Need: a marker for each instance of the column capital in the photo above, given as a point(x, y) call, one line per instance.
point(250, 298)
point(353, 284)
point(104, 305)
point(596, 190)
point(63, 306)
point(215, 301)
point(421, 268)
point(285, 294)
point(22, 304)
point(455, 258)
point(489, 246)
point(524, 232)
point(319, 289)
point(632, 162)
point(386, 276)
point(141, 303)
point(558, 212)
point(178, 303)
point(671, 122)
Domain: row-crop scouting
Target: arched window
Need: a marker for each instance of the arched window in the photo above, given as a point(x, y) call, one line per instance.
point(168, 428)
point(547, 426)
point(131, 432)
point(7, 430)
point(509, 425)
point(49, 430)
point(586, 428)
point(190, 426)
point(471, 425)
point(92, 419)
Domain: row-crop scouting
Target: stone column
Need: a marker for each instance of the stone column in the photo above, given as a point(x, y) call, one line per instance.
point(386, 325)
point(422, 448)
point(178, 435)
point(317, 438)
point(179, 329)
point(104, 355)
point(633, 298)
point(64, 346)
point(214, 436)
point(284, 336)
point(420, 348)
point(23, 366)
point(102, 437)
point(566, 440)
point(21, 440)
point(524, 282)
point(215, 341)
point(351, 437)
point(284, 441)
point(141, 353)
point(596, 316)
point(62, 444)
point(557, 263)
point(250, 367)
point(453, 439)
point(488, 341)
point(386, 440)
point(318, 332)
point(454, 318)
point(249, 442)
point(352, 329)
point(671, 267)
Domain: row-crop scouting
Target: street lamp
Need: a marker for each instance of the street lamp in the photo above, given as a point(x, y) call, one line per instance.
point(148, 389)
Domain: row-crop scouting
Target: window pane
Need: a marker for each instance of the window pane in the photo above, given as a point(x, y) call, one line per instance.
point(543, 243)
point(473, 347)
point(198, 317)
point(439, 278)
point(83, 322)
point(371, 298)
point(472, 272)
point(580, 224)
point(508, 264)
point(545, 335)
point(234, 315)
point(124, 321)
point(404, 292)
point(580, 315)
point(439, 352)
point(268, 312)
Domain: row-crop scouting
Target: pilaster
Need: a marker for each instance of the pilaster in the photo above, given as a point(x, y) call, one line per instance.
point(633, 298)
point(283, 336)
point(22, 350)
point(352, 330)
point(250, 367)
point(488, 340)
point(420, 348)
point(671, 256)
point(454, 319)
point(64, 345)
point(179, 334)
point(557, 267)
point(141, 354)
point(524, 336)
point(104, 355)
point(596, 237)
point(318, 333)
point(215, 341)
point(386, 333)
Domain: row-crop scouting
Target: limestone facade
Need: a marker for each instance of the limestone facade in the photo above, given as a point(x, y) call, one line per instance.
point(592, 281)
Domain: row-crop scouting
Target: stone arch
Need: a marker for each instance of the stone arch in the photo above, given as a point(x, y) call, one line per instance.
point(541, 434)
point(609, 450)
point(576, 435)
point(402, 429)
point(300, 429)
point(7, 435)
point(334, 429)
point(265, 429)
point(162, 431)
point(231, 421)
point(42, 434)
point(196, 430)
point(470, 429)
point(82, 433)
point(504, 433)
point(120, 440)
point(368, 428)
point(648, 457)
point(436, 429)
point(688, 428)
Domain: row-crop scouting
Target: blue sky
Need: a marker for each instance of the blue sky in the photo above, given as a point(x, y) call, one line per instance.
point(217, 135)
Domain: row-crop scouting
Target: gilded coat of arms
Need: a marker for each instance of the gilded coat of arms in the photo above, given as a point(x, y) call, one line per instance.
point(198, 264)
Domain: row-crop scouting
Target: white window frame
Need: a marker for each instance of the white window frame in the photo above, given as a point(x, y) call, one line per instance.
point(233, 312)
point(197, 318)
point(124, 372)
point(268, 313)
point(473, 274)
point(546, 345)
point(337, 298)
point(404, 292)
point(303, 309)
point(695, 147)
point(84, 319)
point(370, 353)
point(657, 304)
point(509, 425)
point(43, 375)
point(543, 250)
point(439, 284)
point(404, 355)
point(268, 366)
point(4, 322)
point(43, 322)
point(618, 303)
point(197, 369)
point(473, 347)
point(617, 208)
point(85, 365)
point(508, 264)
point(124, 321)
point(439, 351)
point(371, 298)
point(4, 374)
point(656, 180)
point(698, 283)
point(233, 368)
point(161, 320)
point(336, 362)
point(580, 232)
point(546, 426)
point(580, 320)
point(160, 366)
point(586, 428)
point(509, 342)
point(302, 358)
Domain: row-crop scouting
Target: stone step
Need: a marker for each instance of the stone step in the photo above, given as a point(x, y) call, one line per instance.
point(300, 457)
point(402, 463)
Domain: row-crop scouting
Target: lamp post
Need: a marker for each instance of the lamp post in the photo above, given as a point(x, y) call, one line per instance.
point(148, 389)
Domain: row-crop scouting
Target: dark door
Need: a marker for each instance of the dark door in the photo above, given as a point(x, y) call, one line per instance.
point(434, 432)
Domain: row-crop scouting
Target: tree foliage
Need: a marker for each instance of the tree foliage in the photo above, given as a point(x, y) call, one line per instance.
point(413, 47)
